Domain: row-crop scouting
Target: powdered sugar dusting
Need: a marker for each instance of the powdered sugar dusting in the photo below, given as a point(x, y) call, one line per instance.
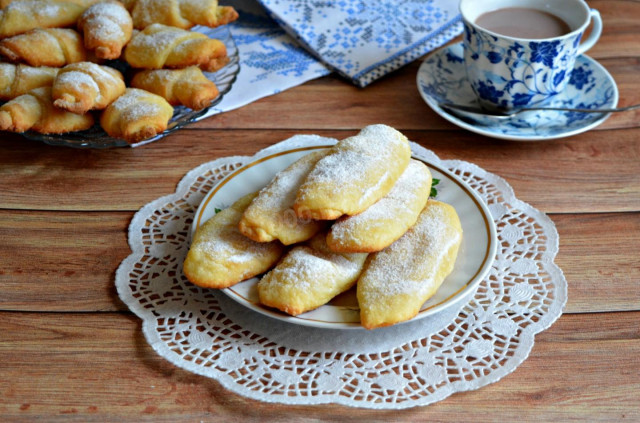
point(134, 105)
point(356, 160)
point(233, 247)
point(80, 80)
point(272, 210)
point(280, 194)
point(158, 40)
point(412, 187)
point(406, 266)
point(115, 11)
point(311, 271)
point(106, 21)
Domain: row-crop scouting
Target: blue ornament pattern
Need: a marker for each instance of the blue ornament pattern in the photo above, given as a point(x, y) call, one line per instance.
point(364, 40)
point(442, 78)
point(271, 61)
point(509, 74)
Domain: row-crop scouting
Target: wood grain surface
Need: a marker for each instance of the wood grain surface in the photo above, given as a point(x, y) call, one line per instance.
point(72, 351)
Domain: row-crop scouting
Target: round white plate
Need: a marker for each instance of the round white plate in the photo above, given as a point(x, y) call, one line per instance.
point(475, 256)
point(442, 78)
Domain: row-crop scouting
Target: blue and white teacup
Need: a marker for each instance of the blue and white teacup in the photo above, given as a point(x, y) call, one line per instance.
point(509, 73)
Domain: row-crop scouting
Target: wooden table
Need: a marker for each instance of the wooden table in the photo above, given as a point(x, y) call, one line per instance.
point(71, 350)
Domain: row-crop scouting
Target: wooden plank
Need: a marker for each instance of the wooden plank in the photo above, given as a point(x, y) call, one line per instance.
point(88, 367)
point(67, 261)
point(332, 103)
point(597, 171)
point(620, 29)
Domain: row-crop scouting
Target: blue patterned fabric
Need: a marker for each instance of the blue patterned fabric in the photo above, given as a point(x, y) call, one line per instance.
point(283, 44)
point(366, 39)
point(270, 60)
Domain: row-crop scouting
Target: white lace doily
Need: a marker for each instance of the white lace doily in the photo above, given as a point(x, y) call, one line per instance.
point(411, 364)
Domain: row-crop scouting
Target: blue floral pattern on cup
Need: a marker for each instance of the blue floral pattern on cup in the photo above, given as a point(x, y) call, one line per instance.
point(507, 74)
point(442, 78)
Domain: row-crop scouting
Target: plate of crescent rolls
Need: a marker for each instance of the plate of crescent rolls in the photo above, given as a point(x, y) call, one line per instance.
point(108, 73)
point(346, 235)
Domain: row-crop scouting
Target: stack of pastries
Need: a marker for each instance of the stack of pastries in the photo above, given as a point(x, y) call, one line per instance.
point(59, 57)
point(357, 213)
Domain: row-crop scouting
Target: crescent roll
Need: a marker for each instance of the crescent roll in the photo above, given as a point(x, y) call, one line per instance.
point(180, 13)
point(16, 80)
point(386, 220)
point(85, 86)
point(188, 87)
point(83, 3)
point(160, 46)
point(220, 256)
point(54, 47)
point(35, 111)
point(136, 115)
point(21, 16)
point(107, 27)
point(399, 279)
point(309, 276)
point(270, 216)
point(356, 173)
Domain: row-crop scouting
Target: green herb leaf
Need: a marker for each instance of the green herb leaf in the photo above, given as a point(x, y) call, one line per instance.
point(434, 190)
point(217, 210)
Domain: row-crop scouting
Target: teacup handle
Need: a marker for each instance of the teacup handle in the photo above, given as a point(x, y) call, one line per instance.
point(595, 32)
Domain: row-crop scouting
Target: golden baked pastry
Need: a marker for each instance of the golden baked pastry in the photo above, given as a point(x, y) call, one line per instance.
point(85, 86)
point(270, 216)
point(160, 46)
point(107, 27)
point(35, 111)
point(356, 173)
point(180, 13)
point(309, 276)
point(386, 220)
point(21, 16)
point(54, 47)
point(16, 80)
point(399, 279)
point(220, 256)
point(188, 87)
point(84, 3)
point(136, 115)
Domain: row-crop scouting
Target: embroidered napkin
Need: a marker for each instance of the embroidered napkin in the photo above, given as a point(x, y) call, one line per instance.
point(270, 60)
point(294, 41)
point(364, 40)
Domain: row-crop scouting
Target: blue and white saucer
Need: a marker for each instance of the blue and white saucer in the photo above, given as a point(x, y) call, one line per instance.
point(442, 79)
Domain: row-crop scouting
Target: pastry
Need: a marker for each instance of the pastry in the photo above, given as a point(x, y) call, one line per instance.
point(35, 111)
point(386, 220)
point(180, 13)
point(85, 86)
point(107, 27)
point(160, 46)
point(399, 279)
point(309, 276)
point(83, 3)
point(21, 16)
point(220, 256)
point(188, 87)
point(54, 47)
point(270, 216)
point(356, 173)
point(16, 80)
point(136, 115)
